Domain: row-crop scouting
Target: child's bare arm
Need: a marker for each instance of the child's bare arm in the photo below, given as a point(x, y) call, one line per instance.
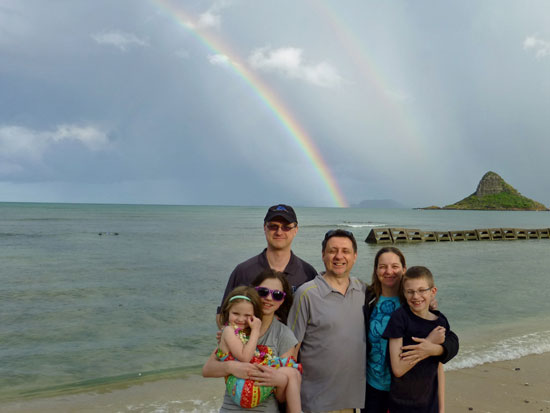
point(231, 342)
point(216, 368)
point(441, 387)
point(398, 365)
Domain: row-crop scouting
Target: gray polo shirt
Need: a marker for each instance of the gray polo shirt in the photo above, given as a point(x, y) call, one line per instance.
point(331, 328)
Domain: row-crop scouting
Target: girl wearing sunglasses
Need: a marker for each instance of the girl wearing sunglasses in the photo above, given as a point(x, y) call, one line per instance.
point(276, 298)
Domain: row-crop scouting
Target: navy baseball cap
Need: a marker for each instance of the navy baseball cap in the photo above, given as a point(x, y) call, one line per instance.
point(284, 211)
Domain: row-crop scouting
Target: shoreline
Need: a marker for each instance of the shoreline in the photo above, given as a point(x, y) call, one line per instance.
point(519, 385)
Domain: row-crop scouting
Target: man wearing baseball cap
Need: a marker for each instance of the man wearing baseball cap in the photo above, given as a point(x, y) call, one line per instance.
point(280, 228)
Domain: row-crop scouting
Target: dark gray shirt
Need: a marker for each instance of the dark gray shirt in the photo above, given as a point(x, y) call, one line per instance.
point(297, 272)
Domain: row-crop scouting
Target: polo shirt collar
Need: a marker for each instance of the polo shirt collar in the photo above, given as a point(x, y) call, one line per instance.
point(291, 268)
point(325, 289)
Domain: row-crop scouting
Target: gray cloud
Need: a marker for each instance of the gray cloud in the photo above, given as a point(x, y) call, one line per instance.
point(407, 103)
point(119, 39)
point(289, 61)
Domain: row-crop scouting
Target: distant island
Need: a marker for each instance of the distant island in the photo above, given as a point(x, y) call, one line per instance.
point(493, 193)
point(378, 203)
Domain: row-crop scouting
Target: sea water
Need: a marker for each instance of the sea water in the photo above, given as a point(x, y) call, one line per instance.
point(96, 294)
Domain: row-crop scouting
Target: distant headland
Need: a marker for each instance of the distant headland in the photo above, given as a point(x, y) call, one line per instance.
point(493, 193)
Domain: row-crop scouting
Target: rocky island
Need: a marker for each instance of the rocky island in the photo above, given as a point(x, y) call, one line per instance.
point(493, 193)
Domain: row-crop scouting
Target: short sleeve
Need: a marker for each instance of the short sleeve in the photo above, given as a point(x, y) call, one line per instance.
point(286, 340)
point(397, 325)
point(231, 284)
point(299, 313)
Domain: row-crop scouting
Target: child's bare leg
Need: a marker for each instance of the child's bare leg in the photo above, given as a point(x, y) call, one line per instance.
point(441, 387)
point(291, 392)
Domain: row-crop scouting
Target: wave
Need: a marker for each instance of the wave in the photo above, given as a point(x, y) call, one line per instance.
point(363, 224)
point(507, 349)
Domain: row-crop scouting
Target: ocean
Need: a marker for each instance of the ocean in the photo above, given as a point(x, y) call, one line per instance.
point(95, 295)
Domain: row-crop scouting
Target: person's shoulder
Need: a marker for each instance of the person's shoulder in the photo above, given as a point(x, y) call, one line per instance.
point(441, 317)
point(307, 268)
point(359, 284)
point(306, 287)
point(277, 325)
point(251, 262)
point(401, 312)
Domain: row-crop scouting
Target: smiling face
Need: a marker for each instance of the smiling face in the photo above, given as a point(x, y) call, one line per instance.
point(240, 312)
point(339, 257)
point(419, 295)
point(389, 272)
point(279, 233)
point(269, 305)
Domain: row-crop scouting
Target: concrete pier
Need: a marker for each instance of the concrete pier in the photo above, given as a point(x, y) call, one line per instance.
point(409, 235)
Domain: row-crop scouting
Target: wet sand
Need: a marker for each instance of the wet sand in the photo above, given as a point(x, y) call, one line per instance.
point(517, 386)
point(521, 385)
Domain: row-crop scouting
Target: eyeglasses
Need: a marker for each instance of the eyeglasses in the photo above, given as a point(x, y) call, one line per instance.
point(275, 227)
point(277, 295)
point(422, 292)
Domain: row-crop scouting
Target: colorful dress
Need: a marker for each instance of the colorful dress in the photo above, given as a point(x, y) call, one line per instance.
point(244, 392)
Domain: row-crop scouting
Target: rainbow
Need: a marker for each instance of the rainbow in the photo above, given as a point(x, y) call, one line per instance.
point(411, 136)
point(266, 95)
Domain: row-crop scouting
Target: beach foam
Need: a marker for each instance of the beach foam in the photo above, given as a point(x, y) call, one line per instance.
point(507, 349)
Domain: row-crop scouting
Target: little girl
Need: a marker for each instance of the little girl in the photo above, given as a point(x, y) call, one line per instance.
point(241, 315)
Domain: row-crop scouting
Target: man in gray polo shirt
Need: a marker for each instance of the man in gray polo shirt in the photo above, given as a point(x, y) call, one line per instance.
point(327, 319)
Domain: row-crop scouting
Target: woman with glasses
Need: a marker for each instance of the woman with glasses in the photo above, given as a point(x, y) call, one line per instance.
point(382, 298)
point(276, 297)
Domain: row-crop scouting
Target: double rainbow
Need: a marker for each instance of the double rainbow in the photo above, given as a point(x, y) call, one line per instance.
point(265, 94)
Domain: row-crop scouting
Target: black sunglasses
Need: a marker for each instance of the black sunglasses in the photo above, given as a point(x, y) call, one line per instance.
point(277, 295)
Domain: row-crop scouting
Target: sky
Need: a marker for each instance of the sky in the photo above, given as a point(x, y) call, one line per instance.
point(245, 102)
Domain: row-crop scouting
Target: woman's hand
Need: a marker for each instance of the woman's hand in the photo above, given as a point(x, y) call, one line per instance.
point(241, 370)
point(268, 376)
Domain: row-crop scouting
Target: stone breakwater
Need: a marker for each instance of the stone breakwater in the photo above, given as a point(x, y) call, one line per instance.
point(409, 235)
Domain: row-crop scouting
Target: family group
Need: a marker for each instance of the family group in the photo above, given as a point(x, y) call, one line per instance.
point(294, 340)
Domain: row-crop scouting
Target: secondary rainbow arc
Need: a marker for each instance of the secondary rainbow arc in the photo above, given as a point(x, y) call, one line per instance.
point(266, 95)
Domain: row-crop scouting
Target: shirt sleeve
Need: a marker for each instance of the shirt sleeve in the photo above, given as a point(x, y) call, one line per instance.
point(310, 271)
point(299, 313)
point(286, 340)
point(396, 326)
point(231, 284)
point(450, 346)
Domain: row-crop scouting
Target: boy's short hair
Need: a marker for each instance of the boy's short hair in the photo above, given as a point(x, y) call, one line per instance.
point(418, 272)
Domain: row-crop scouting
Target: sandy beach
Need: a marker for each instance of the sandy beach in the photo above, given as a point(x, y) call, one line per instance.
point(521, 385)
